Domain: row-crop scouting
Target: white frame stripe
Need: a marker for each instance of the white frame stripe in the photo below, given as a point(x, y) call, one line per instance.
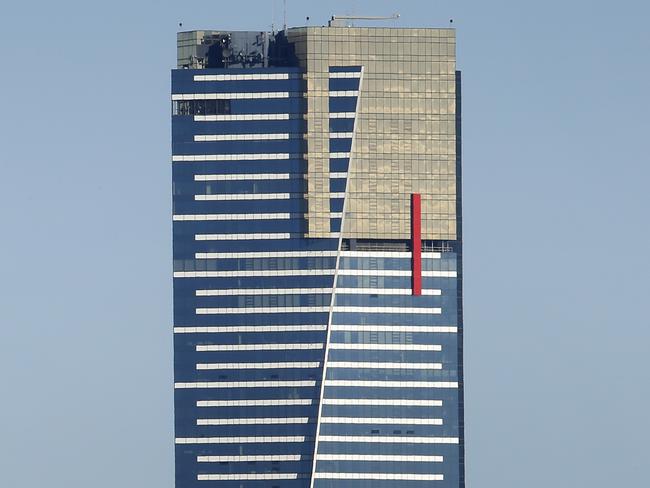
point(389, 439)
point(246, 476)
point(308, 254)
point(265, 254)
point(238, 440)
point(426, 329)
point(240, 137)
point(278, 365)
point(306, 291)
point(344, 93)
point(230, 96)
point(385, 347)
point(259, 347)
point(381, 420)
point(242, 177)
point(245, 273)
point(254, 403)
point(243, 384)
point(230, 310)
point(379, 476)
point(241, 196)
point(199, 158)
point(391, 402)
point(229, 329)
point(395, 272)
point(254, 421)
point(392, 384)
point(345, 74)
point(402, 310)
point(369, 365)
point(261, 291)
point(239, 237)
point(240, 117)
point(242, 459)
point(381, 457)
point(242, 77)
point(226, 217)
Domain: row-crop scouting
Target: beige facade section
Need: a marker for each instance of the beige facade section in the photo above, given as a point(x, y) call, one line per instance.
point(405, 139)
point(307, 42)
point(186, 43)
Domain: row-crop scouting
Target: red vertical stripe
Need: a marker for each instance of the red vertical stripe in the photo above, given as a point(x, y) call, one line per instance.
point(416, 244)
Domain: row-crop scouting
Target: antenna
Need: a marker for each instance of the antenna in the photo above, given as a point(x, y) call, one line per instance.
point(339, 20)
point(284, 8)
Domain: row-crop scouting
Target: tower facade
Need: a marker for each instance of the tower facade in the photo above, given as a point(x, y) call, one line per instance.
point(317, 259)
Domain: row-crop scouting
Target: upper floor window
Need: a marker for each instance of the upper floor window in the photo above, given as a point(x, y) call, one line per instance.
point(200, 107)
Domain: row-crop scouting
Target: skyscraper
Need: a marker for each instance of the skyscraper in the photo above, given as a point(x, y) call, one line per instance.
point(317, 259)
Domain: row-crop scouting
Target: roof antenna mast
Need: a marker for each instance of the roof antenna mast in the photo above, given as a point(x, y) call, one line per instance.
point(340, 20)
point(284, 8)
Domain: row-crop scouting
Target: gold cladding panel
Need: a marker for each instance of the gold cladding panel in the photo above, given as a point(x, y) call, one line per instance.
point(405, 139)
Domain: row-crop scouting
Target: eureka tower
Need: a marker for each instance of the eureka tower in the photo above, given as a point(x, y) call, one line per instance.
point(317, 259)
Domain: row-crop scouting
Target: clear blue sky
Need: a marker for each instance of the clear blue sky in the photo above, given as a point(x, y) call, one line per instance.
point(556, 168)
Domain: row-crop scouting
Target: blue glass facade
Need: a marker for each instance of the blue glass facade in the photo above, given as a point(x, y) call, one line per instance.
point(300, 361)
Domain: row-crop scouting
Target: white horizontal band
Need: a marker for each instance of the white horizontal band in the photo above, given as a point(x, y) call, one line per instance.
point(404, 310)
point(380, 476)
point(338, 155)
point(392, 384)
point(380, 421)
point(246, 476)
point(261, 291)
point(231, 96)
point(345, 74)
point(245, 273)
point(259, 457)
point(380, 457)
point(342, 115)
point(396, 328)
point(259, 347)
point(242, 237)
point(306, 291)
point(284, 365)
point(344, 93)
point(243, 77)
point(243, 177)
point(389, 439)
point(383, 291)
point(238, 440)
point(387, 254)
point(341, 135)
point(254, 403)
point(265, 254)
point(229, 310)
point(248, 328)
point(368, 365)
point(226, 217)
point(240, 137)
point(242, 384)
point(198, 158)
point(335, 175)
point(389, 402)
point(386, 347)
point(242, 196)
point(239, 117)
point(340, 194)
point(395, 272)
point(253, 421)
